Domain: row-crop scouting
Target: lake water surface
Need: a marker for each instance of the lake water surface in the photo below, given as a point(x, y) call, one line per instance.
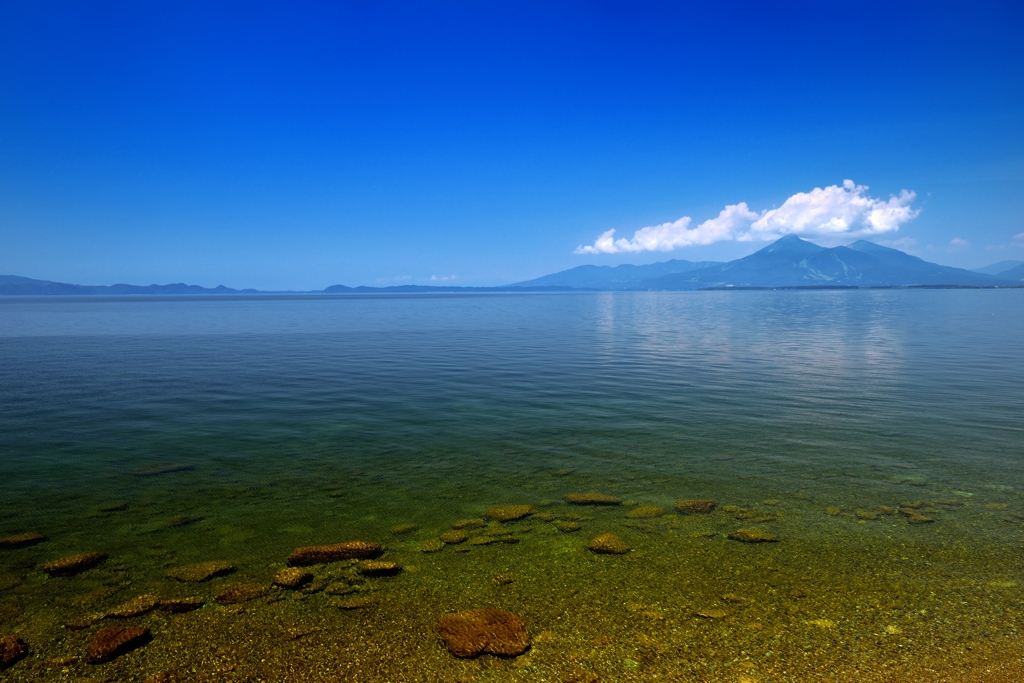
point(878, 436)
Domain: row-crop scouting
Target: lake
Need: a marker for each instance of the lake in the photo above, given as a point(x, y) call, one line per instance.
point(873, 439)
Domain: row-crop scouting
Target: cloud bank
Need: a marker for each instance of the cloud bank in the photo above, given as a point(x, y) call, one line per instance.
point(831, 212)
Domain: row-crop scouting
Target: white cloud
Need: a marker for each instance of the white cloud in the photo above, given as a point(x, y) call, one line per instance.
point(1019, 237)
point(669, 236)
point(957, 244)
point(444, 278)
point(831, 212)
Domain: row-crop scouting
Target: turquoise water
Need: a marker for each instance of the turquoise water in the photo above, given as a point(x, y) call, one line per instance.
point(295, 421)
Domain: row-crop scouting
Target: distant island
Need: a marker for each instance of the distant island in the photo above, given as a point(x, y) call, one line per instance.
point(789, 263)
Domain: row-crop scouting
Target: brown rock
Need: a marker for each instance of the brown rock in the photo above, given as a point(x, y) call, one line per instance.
point(292, 577)
point(752, 536)
point(12, 649)
point(608, 544)
point(178, 605)
point(243, 593)
point(73, 564)
point(321, 554)
point(379, 568)
point(473, 523)
point(567, 527)
point(866, 514)
point(591, 499)
point(135, 607)
point(203, 571)
point(454, 536)
point(403, 529)
point(509, 513)
point(915, 517)
point(695, 506)
point(111, 643)
point(646, 512)
point(22, 540)
point(487, 630)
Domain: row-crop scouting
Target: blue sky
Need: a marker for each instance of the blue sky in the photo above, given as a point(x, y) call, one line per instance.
point(380, 143)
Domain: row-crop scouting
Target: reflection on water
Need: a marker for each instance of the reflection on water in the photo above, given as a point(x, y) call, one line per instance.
point(876, 435)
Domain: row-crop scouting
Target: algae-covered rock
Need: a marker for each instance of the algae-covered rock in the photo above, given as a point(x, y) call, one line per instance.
point(179, 605)
point(12, 649)
point(135, 607)
point(202, 571)
point(21, 540)
point(487, 630)
point(292, 577)
point(433, 546)
point(322, 554)
point(591, 499)
point(608, 544)
point(243, 593)
point(403, 529)
point(509, 513)
point(471, 523)
point(111, 643)
point(360, 602)
point(752, 536)
point(73, 564)
point(567, 527)
point(455, 536)
point(379, 568)
point(695, 506)
point(646, 512)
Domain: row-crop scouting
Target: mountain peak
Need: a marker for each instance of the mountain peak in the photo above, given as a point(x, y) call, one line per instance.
point(791, 244)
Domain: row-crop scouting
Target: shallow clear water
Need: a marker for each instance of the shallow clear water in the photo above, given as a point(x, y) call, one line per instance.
point(310, 420)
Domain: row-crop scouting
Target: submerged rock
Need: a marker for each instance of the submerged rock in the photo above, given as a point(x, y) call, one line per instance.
point(183, 520)
point(73, 564)
point(203, 571)
point(866, 514)
point(135, 607)
point(432, 546)
point(292, 577)
point(752, 536)
point(646, 512)
point(322, 554)
point(509, 513)
point(111, 643)
point(472, 523)
point(178, 605)
point(487, 630)
point(567, 527)
point(379, 568)
point(455, 536)
point(695, 506)
point(243, 593)
point(21, 540)
point(361, 602)
point(608, 544)
point(403, 529)
point(712, 614)
point(591, 499)
point(12, 649)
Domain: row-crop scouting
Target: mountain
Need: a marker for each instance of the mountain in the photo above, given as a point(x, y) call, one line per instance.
point(15, 285)
point(998, 269)
point(788, 262)
point(1015, 275)
point(621, 277)
point(793, 262)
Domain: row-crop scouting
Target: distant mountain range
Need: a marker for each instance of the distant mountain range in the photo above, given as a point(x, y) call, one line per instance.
point(789, 263)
